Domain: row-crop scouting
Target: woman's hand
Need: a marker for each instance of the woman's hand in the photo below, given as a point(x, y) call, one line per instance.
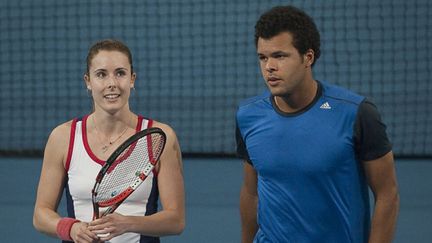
point(81, 233)
point(109, 226)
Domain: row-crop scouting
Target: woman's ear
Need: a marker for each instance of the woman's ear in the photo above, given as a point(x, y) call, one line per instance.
point(133, 78)
point(87, 81)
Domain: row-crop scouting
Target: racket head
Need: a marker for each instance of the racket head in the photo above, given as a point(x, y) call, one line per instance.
point(126, 168)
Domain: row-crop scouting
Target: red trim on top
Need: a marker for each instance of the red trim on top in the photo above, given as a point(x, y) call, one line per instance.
point(150, 150)
point(150, 154)
point(71, 144)
point(129, 150)
point(150, 123)
point(86, 144)
point(155, 172)
point(85, 139)
point(139, 123)
point(149, 145)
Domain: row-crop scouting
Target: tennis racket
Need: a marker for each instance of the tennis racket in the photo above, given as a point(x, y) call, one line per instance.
point(126, 168)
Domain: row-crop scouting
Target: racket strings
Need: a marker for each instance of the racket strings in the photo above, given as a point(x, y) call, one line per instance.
point(129, 166)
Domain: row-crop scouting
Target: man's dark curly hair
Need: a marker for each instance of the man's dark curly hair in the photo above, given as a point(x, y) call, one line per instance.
point(293, 20)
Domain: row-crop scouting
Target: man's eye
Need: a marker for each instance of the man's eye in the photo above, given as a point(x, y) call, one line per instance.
point(121, 74)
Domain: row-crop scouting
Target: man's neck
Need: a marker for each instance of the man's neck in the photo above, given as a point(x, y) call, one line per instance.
point(297, 101)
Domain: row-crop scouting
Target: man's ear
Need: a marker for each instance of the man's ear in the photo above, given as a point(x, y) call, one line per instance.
point(309, 57)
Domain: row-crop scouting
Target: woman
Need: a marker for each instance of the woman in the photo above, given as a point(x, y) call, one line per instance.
point(77, 149)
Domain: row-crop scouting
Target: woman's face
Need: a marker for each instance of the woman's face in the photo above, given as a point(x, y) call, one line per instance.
point(110, 80)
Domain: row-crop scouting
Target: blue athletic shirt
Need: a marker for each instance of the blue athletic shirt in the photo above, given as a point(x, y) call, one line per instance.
point(311, 185)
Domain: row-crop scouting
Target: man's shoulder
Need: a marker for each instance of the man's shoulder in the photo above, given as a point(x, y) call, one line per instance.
point(264, 97)
point(340, 93)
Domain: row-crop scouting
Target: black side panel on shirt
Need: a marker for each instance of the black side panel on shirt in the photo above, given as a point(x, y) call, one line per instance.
point(242, 152)
point(370, 135)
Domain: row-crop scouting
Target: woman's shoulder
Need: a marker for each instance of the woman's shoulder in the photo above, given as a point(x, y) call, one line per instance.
point(63, 128)
point(61, 133)
point(169, 131)
point(58, 142)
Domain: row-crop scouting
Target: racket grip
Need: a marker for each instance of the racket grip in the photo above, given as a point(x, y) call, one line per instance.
point(108, 211)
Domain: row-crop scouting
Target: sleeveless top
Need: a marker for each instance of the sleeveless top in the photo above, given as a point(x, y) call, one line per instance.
point(82, 166)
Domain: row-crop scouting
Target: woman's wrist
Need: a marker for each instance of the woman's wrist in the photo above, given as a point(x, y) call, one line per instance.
point(64, 227)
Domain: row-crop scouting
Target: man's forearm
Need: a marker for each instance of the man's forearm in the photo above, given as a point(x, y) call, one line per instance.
point(249, 226)
point(384, 220)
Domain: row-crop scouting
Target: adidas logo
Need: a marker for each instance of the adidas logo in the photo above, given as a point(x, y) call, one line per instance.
point(325, 106)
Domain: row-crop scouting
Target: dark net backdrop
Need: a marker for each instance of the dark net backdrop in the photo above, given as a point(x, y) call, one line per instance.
point(196, 60)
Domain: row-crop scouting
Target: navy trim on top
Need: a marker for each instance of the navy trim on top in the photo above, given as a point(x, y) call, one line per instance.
point(69, 204)
point(151, 208)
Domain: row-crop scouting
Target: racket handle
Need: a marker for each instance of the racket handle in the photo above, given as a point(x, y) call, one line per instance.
point(108, 211)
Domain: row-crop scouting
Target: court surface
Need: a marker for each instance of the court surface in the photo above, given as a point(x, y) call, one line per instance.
point(212, 193)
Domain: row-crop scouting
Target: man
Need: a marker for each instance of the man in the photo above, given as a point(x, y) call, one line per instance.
point(310, 148)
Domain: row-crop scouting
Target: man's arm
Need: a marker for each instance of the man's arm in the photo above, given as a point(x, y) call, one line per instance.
point(381, 177)
point(248, 204)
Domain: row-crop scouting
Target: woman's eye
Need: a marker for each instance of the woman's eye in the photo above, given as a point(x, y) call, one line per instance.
point(100, 75)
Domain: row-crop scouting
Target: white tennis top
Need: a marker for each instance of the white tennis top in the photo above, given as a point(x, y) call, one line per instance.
point(82, 167)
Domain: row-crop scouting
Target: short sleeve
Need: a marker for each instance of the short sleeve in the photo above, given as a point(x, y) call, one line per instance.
point(241, 147)
point(371, 140)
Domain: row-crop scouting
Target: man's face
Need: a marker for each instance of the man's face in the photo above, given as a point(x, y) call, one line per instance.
point(282, 66)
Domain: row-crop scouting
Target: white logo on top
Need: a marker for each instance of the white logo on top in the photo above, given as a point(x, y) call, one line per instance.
point(325, 106)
